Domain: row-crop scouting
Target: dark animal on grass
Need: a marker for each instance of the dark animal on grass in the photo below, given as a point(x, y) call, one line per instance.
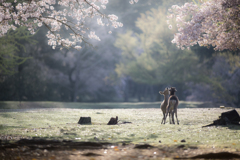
point(172, 106)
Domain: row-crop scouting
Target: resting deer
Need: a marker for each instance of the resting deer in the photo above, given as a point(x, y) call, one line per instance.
point(164, 103)
point(172, 106)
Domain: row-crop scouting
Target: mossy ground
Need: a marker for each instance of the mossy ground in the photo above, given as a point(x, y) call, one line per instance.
point(145, 126)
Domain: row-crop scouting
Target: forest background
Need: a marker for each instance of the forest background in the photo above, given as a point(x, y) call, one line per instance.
point(129, 64)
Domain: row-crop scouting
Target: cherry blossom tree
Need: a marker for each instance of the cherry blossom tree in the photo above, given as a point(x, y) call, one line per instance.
point(209, 22)
point(57, 16)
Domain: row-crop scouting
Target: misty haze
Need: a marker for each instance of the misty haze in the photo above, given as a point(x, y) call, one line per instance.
point(159, 70)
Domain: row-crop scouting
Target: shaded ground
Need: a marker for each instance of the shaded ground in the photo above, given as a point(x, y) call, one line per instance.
point(49, 149)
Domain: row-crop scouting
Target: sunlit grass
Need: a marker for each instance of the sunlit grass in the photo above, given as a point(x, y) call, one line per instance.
point(107, 105)
point(146, 126)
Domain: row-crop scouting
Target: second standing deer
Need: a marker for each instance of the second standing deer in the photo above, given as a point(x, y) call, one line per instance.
point(164, 103)
point(172, 106)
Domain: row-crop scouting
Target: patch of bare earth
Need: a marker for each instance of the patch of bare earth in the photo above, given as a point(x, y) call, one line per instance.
point(34, 149)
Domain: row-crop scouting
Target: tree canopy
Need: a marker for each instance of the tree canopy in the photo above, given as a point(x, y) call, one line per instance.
point(209, 22)
point(11, 43)
point(149, 57)
point(132, 64)
point(57, 16)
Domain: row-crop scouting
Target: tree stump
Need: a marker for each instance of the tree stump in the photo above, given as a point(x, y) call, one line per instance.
point(232, 116)
point(227, 118)
point(85, 120)
point(113, 121)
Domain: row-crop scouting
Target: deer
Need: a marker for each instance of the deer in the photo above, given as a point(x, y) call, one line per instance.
point(172, 106)
point(164, 103)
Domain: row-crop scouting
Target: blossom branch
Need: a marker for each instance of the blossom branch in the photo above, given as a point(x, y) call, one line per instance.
point(214, 23)
point(44, 12)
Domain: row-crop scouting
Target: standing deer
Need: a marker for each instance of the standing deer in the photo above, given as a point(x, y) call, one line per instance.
point(172, 106)
point(164, 103)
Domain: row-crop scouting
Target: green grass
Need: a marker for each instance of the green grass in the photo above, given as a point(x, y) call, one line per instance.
point(61, 123)
point(44, 104)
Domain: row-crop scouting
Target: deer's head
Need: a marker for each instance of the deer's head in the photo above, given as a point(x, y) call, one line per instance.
point(172, 90)
point(165, 92)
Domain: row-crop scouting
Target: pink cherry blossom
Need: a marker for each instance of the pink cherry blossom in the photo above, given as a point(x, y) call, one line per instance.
point(71, 16)
point(213, 22)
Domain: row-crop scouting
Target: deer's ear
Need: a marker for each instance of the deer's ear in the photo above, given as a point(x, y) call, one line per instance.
point(160, 92)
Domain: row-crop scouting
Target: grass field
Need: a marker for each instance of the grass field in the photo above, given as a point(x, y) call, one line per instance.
point(31, 105)
point(145, 127)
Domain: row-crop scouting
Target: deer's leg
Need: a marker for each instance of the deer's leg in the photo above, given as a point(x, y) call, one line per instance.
point(176, 115)
point(170, 122)
point(166, 114)
point(173, 117)
point(170, 117)
point(163, 119)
